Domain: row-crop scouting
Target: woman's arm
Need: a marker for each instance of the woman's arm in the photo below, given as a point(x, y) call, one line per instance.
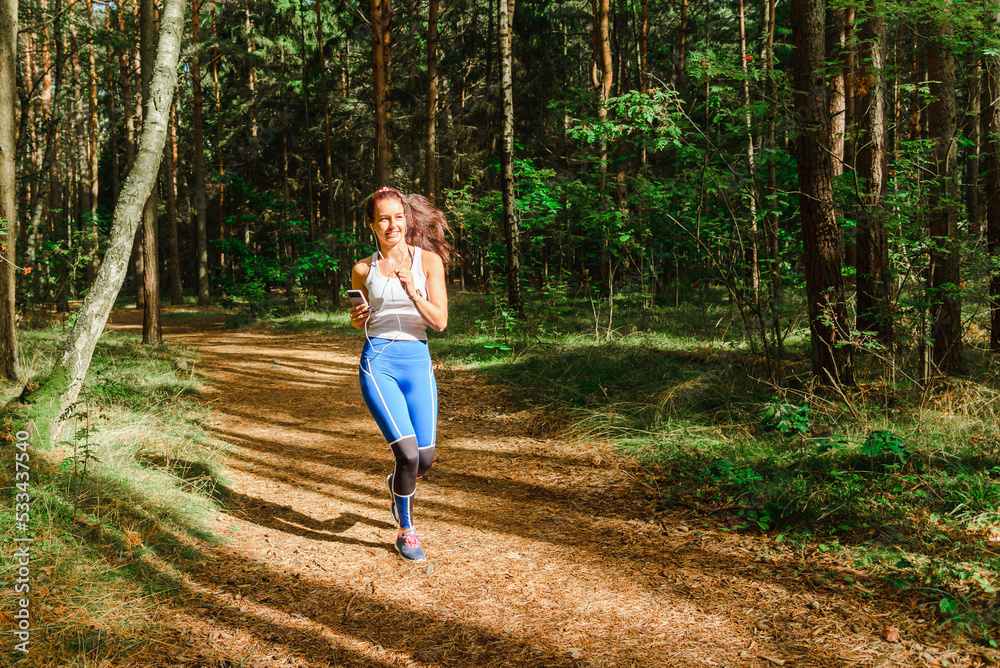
point(360, 314)
point(433, 307)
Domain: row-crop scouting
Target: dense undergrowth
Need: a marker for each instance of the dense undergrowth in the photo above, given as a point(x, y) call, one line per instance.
point(114, 506)
point(895, 476)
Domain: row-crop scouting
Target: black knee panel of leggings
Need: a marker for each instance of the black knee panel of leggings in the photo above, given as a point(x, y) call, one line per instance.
point(426, 459)
point(404, 477)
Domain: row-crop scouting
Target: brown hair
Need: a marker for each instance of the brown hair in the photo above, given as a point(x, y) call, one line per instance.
point(426, 226)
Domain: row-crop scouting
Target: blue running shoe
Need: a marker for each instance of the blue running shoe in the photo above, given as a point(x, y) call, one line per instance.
point(392, 500)
point(408, 546)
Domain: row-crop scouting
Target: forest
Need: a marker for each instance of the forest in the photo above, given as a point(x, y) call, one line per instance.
point(756, 242)
point(844, 154)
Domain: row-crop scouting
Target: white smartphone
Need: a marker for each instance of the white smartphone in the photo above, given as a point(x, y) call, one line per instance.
point(357, 298)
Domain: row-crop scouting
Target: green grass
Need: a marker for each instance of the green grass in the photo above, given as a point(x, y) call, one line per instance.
point(117, 503)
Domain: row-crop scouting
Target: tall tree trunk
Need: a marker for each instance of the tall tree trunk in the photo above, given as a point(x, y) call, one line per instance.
point(872, 160)
point(50, 107)
point(201, 251)
point(218, 135)
point(431, 161)
point(152, 332)
point(81, 139)
point(331, 221)
point(681, 44)
point(252, 86)
point(511, 224)
point(116, 179)
point(945, 297)
point(771, 217)
point(644, 66)
point(380, 41)
point(836, 36)
point(604, 81)
point(974, 74)
point(170, 181)
point(991, 130)
point(754, 251)
point(305, 107)
point(93, 152)
point(8, 200)
point(62, 386)
point(138, 255)
point(822, 239)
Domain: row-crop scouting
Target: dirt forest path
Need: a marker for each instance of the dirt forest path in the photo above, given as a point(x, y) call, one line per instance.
point(539, 552)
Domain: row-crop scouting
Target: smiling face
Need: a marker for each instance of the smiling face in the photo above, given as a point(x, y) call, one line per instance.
point(389, 222)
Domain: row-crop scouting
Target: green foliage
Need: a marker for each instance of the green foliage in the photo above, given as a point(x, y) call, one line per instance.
point(786, 418)
point(880, 441)
point(117, 502)
point(279, 254)
point(902, 482)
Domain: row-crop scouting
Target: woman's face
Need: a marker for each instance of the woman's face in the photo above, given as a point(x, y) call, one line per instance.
point(389, 223)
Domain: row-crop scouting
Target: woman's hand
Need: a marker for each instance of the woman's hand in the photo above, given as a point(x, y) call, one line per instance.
point(360, 315)
point(405, 277)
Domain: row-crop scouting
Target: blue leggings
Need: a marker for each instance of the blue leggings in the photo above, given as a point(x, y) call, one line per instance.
point(397, 382)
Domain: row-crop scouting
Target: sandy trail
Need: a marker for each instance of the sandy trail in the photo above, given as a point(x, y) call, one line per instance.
point(538, 553)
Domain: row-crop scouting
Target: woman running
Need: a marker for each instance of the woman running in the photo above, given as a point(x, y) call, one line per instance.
point(404, 284)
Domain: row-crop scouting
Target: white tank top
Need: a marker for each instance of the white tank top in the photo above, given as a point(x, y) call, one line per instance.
point(396, 317)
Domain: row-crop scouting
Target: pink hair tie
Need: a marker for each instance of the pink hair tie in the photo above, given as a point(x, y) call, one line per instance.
point(383, 189)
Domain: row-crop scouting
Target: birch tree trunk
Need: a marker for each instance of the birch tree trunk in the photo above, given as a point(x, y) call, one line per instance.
point(754, 251)
point(60, 389)
point(973, 78)
point(93, 152)
point(151, 328)
point(8, 202)
point(510, 223)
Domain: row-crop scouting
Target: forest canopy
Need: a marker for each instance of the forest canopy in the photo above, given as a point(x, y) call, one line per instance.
point(840, 156)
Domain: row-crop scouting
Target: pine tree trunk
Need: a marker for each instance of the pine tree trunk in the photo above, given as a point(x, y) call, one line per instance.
point(872, 161)
point(308, 143)
point(945, 297)
point(170, 179)
point(218, 136)
point(681, 46)
point(331, 220)
point(991, 130)
point(510, 222)
point(8, 201)
point(201, 251)
point(431, 162)
point(383, 152)
point(62, 386)
point(822, 239)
